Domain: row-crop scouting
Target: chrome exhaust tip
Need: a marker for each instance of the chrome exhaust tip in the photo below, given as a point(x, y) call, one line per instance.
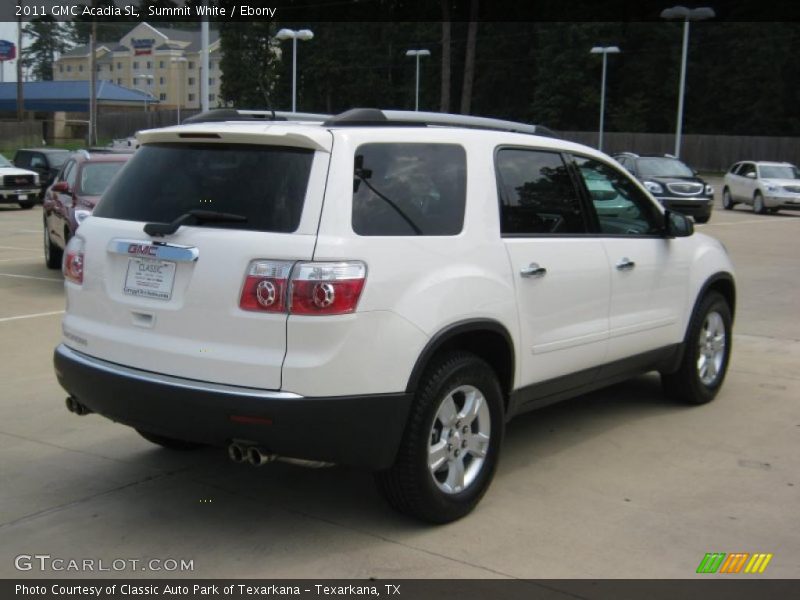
point(237, 453)
point(258, 457)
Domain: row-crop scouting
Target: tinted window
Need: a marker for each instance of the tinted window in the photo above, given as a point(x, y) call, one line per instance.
point(747, 168)
point(95, 177)
point(69, 174)
point(622, 208)
point(536, 194)
point(38, 162)
point(409, 189)
point(663, 167)
point(265, 184)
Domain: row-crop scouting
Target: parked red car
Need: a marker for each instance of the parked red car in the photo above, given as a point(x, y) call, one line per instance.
point(76, 189)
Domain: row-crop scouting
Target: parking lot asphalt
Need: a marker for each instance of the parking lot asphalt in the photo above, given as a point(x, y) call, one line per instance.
point(620, 483)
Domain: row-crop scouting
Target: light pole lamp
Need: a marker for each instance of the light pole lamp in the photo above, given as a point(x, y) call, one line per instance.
point(146, 93)
point(686, 14)
point(417, 54)
point(294, 35)
point(605, 51)
point(179, 60)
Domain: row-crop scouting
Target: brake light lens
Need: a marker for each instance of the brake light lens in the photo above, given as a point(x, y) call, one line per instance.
point(306, 288)
point(265, 286)
point(72, 267)
point(327, 288)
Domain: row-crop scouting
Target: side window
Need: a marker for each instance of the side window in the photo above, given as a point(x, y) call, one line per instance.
point(735, 168)
point(747, 168)
point(536, 193)
point(22, 160)
point(70, 174)
point(38, 162)
point(409, 189)
point(621, 207)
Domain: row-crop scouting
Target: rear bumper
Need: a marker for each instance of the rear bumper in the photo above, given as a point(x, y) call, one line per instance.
point(362, 431)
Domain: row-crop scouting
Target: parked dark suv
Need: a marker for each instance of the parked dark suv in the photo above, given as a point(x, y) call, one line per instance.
point(673, 183)
point(44, 161)
point(72, 197)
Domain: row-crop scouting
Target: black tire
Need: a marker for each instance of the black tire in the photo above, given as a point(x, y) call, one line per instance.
point(52, 253)
point(410, 486)
point(686, 384)
point(758, 204)
point(169, 443)
point(27, 204)
point(703, 219)
point(727, 200)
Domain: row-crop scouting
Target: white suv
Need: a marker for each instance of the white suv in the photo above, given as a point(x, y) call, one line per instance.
point(766, 186)
point(380, 289)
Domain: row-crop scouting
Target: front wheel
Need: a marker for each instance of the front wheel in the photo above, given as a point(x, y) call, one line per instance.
point(727, 200)
point(702, 220)
point(758, 204)
point(706, 353)
point(26, 204)
point(451, 444)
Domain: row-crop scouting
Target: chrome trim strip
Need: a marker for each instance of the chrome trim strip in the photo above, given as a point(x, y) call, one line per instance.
point(160, 251)
point(686, 189)
point(189, 384)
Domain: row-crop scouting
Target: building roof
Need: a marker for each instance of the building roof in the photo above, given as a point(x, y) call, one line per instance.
point(83, 50)
point(68, 96)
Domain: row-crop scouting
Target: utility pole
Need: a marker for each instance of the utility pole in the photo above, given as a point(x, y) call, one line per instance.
point(20, 98)
point(93, 85)
point(204, 63)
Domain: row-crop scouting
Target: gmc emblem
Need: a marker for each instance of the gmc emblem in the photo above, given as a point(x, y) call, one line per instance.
point(142, 249)
point(20, 181)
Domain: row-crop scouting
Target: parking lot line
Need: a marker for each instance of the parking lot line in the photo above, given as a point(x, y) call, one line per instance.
point(34, 257)
point(31, 316)
point(754, 221)
point(31, 277)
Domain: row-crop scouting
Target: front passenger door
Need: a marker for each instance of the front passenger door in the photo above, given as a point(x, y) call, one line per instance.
point(649, 272)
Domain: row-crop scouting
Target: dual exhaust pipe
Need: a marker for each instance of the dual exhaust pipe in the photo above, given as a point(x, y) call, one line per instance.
point(76, 407)
point(242, 452)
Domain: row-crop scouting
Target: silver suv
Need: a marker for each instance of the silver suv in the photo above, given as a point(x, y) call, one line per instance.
point(380, 289)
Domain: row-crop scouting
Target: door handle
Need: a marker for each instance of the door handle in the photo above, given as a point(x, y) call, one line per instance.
point(533, 270)
point(625, 264)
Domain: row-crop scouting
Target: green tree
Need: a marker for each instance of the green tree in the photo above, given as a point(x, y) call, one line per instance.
point(248, 64)
point(50, 38)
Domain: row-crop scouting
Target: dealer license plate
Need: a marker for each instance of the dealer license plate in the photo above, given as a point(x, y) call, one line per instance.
point(23, 196)
point(150, 278)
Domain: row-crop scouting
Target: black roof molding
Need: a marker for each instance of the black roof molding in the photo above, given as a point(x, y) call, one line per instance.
point(373, 117)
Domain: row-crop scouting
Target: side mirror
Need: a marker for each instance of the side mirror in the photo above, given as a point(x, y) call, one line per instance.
point(751, 175)
point(62, 187)
point(678, 225)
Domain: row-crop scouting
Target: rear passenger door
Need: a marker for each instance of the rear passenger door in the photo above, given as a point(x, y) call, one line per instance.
point(649, 272)
point(560, 272)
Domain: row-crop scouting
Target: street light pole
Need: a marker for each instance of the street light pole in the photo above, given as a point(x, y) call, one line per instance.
point(417, 54)
point(605, 51)
point(294, 35)
point(179, 60)
point(687, 14)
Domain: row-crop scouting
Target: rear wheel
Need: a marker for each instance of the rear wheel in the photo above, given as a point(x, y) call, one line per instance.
point(167, 442)
point(52, 253)
point(706, 353)
point(451, 445)
point(703, 219)
point(758, 204)
point(727, 200)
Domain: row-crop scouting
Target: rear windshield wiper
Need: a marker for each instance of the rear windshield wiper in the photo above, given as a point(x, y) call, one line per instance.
point(198, 216)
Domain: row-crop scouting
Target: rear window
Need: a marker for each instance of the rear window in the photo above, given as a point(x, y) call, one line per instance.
point(409, 189)
point(265, 184)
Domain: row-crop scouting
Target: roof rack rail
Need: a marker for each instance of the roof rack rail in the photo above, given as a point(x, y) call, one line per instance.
point(219, 115)
point(372, 116)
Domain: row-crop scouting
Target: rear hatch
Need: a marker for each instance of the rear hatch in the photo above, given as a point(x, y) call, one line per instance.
point(171, 303)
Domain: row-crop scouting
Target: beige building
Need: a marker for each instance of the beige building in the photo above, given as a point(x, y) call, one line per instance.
point(166, 63)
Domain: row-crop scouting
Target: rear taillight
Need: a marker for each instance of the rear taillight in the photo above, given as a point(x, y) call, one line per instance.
point(326, 288)
point(312, 288)
point(265, 286)
point(72, 267)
